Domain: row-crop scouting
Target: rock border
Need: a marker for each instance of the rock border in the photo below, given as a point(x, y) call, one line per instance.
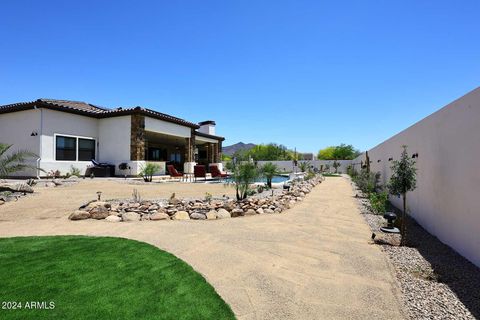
point(268, 202)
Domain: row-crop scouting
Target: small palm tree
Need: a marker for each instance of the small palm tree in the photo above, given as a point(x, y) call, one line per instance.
point(15, 161)
point(269, 170)
point(244, 174)
point(304, 166)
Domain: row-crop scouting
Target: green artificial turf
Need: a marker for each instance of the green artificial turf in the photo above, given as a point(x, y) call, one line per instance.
point(101, 278)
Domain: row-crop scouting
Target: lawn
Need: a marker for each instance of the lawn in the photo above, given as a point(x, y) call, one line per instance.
point(101, 278)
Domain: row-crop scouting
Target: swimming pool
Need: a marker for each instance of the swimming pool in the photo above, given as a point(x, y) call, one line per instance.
point(275, 179)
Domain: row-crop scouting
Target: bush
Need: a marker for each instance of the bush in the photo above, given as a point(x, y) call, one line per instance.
point(269, 170)
point(74, 171)
point(367, 181)
point(147, 171)
point(378, 202)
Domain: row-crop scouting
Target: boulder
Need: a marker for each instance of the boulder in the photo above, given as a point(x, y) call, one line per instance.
point(181, 215)
point(237, 213)
point(173, 201)
point(250, 212)
point(57, 182)
point(130, 216)
point(223, 214)
point(113, 218)
point(212, 215)
point(99, 213)
point(2, 202)
point(260, 211)
point(159, 216)
point(17, 187)
point(96, 204)
point(268, 211)
point(79, 215)
point(198, 216)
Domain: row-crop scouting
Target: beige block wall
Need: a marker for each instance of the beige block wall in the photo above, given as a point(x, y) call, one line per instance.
point(446, 201)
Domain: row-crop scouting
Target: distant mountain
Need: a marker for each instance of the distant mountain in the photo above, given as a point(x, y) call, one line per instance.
point(230, 150)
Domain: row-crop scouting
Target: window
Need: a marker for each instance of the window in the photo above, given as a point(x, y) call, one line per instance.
point(66, 148)
point(86, 149)
point(74, 149)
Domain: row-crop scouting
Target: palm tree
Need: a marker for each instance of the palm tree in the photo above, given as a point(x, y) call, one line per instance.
point(269, 170)
point(15, 161)
point(243, 175)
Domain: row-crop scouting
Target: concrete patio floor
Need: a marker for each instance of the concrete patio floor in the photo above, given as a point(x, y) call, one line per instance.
point(312, 262)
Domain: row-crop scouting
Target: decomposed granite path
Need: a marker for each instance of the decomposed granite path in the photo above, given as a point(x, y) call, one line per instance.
point(312, 262)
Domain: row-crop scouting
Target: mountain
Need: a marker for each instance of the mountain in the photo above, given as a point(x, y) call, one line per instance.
point(229, 150)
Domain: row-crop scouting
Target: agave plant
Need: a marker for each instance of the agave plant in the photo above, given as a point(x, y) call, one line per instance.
point(15, 161)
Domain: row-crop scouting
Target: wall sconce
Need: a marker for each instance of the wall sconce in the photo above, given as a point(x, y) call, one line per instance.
point(390, 159)
point(379, 160)
point(415, 155)
point(34, 134)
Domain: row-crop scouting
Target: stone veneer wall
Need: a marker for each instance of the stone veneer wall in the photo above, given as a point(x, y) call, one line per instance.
point(137, 138)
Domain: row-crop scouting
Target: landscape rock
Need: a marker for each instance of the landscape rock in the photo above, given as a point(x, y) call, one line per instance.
point(250, 212)
point(130, 216)
point(57, 182)
point(237, 213)
point(223, 214)
point(99, 213)
point(212, 215)
point(159, 216)
point(113, 218)
point(79, 215)
point(17, 187)
point(268, 211)
point(260, 211)
point(181, 215)
point(197, 216)
point(96, 204)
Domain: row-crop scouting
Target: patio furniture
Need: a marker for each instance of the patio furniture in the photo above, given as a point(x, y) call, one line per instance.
point(100, 169)
point(216, 173)
point(173, 172)
point(200, 172)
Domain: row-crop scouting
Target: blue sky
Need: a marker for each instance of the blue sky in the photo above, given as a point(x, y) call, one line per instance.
point(306, 74)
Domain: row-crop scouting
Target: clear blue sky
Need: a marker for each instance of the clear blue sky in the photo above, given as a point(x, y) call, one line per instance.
point(306, 74)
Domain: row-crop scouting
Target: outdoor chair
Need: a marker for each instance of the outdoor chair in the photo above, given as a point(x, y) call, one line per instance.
point(173, 172)
point(199, 172)
point(216, 173)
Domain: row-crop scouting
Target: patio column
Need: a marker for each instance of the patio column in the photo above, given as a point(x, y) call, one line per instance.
point(215, 153)
point(137, 138)
point(189, 154)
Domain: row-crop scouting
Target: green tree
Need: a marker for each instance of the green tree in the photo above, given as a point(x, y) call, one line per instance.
point(340, 152)
point(15, 161)
point(269, 170)
point(326, 153)
point(243, 175)
point(336, 164)
point(403, 180)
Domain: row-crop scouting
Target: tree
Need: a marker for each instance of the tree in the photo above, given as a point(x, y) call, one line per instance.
point(269, 170)
point(14, 161)
point(326, 153)
point(403, 179)
point(244, 174)
point(340, 152)
point(304, 166)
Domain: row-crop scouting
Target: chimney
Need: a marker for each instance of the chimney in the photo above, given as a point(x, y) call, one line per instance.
point(207, 127)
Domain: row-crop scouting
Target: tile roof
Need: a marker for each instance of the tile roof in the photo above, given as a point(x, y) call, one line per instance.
point(92, 110)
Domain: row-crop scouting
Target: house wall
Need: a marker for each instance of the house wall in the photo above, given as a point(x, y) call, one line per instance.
point(169, 128)
point(16, 128)
point(63, 123)
point(448, 179)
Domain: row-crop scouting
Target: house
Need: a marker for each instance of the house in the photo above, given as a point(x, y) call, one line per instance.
point(67, 133)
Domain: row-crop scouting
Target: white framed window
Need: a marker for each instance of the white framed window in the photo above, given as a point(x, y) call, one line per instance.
point(74, 148)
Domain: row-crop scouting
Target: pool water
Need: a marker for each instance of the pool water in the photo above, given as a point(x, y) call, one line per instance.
point(276, 179)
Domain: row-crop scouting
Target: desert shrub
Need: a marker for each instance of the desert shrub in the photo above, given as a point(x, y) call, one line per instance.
point(208, 196)
point(74, 171)
point(367, 181)
point(378, 202)
point(147, 171)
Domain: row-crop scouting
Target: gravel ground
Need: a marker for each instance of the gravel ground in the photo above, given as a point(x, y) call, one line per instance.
point(436, 282)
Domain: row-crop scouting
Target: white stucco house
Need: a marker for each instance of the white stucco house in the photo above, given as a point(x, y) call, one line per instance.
point(67, 133)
